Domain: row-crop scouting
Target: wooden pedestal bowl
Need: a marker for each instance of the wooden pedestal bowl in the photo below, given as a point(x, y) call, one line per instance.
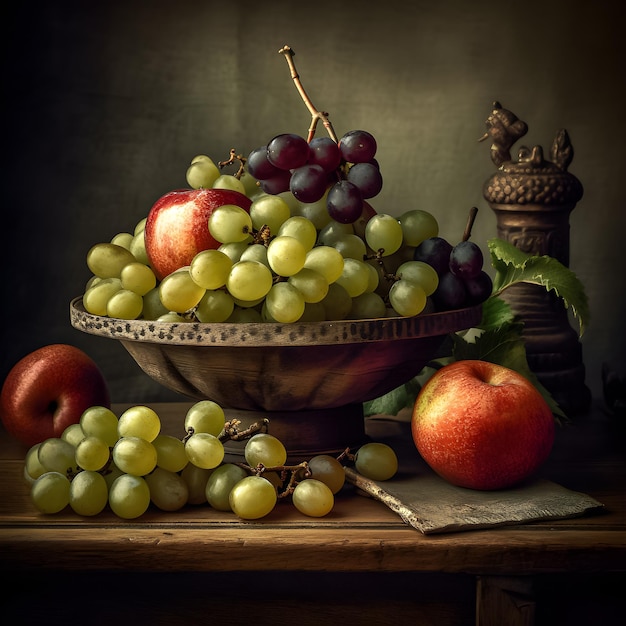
point(310, 379)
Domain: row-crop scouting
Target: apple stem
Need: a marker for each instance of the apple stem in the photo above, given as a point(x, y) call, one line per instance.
point(316, 115)
point(467, 233)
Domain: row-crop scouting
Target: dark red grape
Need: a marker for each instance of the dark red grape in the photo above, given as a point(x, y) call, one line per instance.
point(450, 293)
point(259, 166)
point(367, 177)
point(325, 153)
point(357, 146)
point(344, 202)
point(466, 260)
point(308, 183)
point(436, 252)
point(288, 151)
point(479, 288)
point(277, 184)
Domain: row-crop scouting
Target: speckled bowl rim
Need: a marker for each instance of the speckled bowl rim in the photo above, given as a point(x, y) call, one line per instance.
point(274, 334)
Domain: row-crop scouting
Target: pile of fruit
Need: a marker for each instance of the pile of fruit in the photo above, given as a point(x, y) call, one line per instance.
point(127, 463)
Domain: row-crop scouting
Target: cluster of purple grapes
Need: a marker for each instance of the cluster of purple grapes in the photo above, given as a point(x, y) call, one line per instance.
point(307, 169)
point(462, 280)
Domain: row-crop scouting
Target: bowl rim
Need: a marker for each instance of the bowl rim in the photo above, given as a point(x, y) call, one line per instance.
point(258, 334)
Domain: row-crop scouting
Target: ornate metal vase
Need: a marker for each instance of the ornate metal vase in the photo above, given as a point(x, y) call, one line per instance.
point(532, 199)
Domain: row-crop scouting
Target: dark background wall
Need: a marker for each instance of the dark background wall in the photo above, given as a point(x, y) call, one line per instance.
point(104, 104)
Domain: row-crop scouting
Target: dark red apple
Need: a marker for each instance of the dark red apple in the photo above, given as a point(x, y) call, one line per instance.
point(177, 227)
point(481, 425)
point(47, 390)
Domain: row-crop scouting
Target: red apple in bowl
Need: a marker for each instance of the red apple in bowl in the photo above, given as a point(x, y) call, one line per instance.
point(47, 390)
point(177, 227)
point(482, 426)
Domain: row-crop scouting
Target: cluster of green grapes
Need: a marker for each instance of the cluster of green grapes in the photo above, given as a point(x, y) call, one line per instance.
point(284, 261)
point(127, 464)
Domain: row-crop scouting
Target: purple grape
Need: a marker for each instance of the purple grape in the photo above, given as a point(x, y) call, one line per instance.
point(367, 177)
point(450, 293)
point(258, 165)
point(344, 202)
point(466, 260)
point(436, 252)
point(288, 151)
point(325, 152)
point(308, 183)
point(277, 184)
point(357, 146)
point(479, 288)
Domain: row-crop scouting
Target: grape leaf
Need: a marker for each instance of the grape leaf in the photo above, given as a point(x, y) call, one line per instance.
point(394, 401)
point(514, 266)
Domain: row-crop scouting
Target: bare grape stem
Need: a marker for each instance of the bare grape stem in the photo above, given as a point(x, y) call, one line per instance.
point(316, 115)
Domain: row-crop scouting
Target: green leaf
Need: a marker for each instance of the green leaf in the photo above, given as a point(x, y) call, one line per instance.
point(496, 313)
point(394, 401)
point(515, 266)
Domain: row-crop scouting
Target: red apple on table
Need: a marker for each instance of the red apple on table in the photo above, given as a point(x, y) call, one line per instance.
point(47, 390)
point(482, 426)
point(177, 227)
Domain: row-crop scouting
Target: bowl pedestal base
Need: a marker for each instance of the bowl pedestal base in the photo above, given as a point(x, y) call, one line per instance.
point(305, 433)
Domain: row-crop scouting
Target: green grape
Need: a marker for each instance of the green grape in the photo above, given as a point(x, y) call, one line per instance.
point(209, 268)
point(92, 453)
point(244, 316)
point(368, 306)
point(248, 304)
point(205, 416)
point(355, 277)
point(376, 461)
point(255, 252)
point(204, 450)
point(73, 434)
point(152, 306)
point(313, 498)
point(311, 284)
point(111, 473)
point(373, 279)
point(96, 298)
point(33, 468)
point(107, 260)
point(234, 250)
point(228, 181)
point(421, 273)
point(202, 173)
point(138, 277)
point(57, 455)
point(215, 306)
point(253, 497)
point(418, 225)
point(249, 280)
point(129, 496)
point(196, 480)
point(252, 190)
point(333, 231)
point(173, 318)
point(171, 455)
point(265, 449)
point(286, 255)
point(407, 298)
point(284, 303)
point(221, 483)
point(270, 211)
point(316, 212)
point(123, 239)
point(325, 260)
point(140, 226)
point(101, 422)
point(313, 312)
point(383, 232)
point(89, 493)
point(134, 455)
point(337, 302)
point(125, 305)
point(168, 491)
point(139, 421)
point(138, 248)
point(299, 228)
point(179, 292)
point(329, 470)
point(230, 223)
point(292, 202)
point(50, 493)
point(93, 280)
point(350, 246)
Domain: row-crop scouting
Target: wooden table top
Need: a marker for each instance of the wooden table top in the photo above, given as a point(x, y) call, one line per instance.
point(360, 534)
